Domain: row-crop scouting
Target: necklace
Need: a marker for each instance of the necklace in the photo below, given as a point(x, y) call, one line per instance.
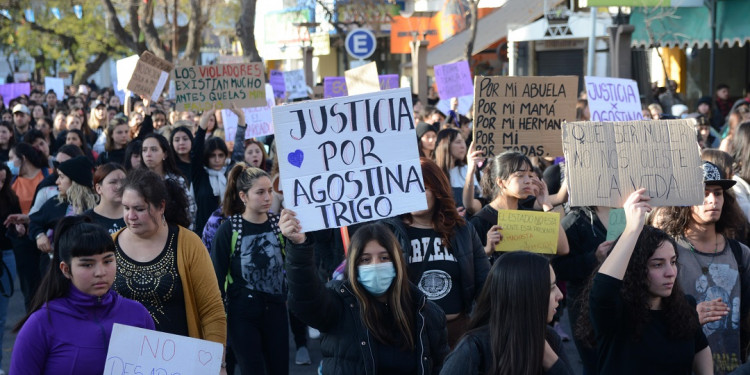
point(705, 269)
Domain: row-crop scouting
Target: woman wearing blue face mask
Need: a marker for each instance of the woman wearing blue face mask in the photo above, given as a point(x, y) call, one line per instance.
point(374, 321)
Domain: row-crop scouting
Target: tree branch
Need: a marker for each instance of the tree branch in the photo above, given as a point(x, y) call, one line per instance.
point(146, 23)
point(120, 33)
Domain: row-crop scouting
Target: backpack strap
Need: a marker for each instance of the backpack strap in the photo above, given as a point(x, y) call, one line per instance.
point(274, 219)
point(737, 252)
point(236, 222)
point(744, 294)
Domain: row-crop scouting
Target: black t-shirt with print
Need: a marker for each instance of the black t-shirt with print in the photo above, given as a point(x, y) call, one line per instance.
point(436, 273)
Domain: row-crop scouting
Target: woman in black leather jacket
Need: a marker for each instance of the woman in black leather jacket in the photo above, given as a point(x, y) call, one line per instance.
point(373, 321)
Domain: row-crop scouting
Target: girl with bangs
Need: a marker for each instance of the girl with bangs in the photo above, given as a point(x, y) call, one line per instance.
point(372, 322)
point(69, 324)
point(444, 254)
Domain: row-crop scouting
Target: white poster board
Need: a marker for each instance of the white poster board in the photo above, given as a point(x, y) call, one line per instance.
point(294, 84)
point(55, 84)
point(258, 119)
point(349, 159)
point(613, 99)
point(135, 350)
point(125, 68)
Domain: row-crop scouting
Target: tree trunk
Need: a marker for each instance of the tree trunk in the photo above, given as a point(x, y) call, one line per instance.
point(146, 23)
point(246, 30)
point(92, 67)
point(473, 19)
point(195, 33)
point(130, 40)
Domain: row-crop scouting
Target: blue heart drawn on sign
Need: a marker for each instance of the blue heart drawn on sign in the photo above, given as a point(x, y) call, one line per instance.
point(295, 158)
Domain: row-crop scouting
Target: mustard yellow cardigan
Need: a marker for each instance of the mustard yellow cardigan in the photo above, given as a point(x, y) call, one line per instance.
point(203, 306)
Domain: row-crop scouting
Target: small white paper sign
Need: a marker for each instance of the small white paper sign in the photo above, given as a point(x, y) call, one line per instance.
point(259, 120)
point(613, 99)
point(141, 351)
point(349, 159)
point(294, 83)
point(125, 68)
point(464, 104)
point(55, 84)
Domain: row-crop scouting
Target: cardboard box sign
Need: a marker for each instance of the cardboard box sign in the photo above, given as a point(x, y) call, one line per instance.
point(606, 161)
point(522, 113)
point(150, 76)
point(350, 159)
point(199, 88)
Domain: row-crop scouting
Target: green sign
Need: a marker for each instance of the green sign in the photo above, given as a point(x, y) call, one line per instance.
point(640, 3)
point(616, 223)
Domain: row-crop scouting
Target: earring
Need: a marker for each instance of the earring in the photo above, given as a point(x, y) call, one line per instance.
point(163, 219)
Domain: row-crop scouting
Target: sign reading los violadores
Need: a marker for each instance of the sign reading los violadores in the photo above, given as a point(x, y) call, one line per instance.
point(522, 113)
point(606, 161)
point(349, 160)
point(200, 88)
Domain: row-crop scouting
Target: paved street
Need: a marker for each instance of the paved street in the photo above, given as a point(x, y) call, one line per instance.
point(15, 312)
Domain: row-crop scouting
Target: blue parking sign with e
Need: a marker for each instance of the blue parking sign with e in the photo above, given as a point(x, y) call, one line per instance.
point(360, 43)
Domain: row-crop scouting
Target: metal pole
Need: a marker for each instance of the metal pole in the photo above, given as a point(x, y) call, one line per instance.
point(712, 65)
point(592, 44)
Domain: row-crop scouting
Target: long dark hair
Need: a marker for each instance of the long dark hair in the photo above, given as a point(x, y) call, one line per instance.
point(169, 164)
point(502, 166)
point(179, 129)
point(213, 144)
point(741, 151)
point(12, 139)
point(399, 296)
point(514, 304)
point(241, 178)
point(445, 216)
point(443, 157)
point(8, 199)
point(75, 236)
point(134, 147)
point(732, 223)
point(156, 190)
point(683, 320)
point(31, 155)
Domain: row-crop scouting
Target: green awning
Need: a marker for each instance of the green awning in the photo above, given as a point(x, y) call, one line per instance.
point(691, 27)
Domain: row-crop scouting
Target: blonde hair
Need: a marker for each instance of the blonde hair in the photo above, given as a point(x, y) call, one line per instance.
point(82, 198)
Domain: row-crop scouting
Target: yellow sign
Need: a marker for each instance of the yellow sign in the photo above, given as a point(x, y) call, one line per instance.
point(532, 231)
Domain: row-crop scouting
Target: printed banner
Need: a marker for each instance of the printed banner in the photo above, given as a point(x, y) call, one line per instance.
point(200, 88)
point(522, 113)
point(532, 231)
point(349, 160)
point(606, 161)
point(135, 350)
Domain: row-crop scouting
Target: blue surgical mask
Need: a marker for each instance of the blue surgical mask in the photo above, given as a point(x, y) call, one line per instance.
point(376, 278)
point(14, 170)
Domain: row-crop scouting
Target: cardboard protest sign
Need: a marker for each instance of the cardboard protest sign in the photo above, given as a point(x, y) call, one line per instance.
point(363, 79)
point(10, 91)
point(55, 84)
point(606, 161)
point(200, 88)
point(522, 113)
point(125, 68)
point(453, 79)
point(276, 79)
point(144, 351)
point(147, 80)
point(334, 87)
point(349, 160)
point(532, 231)
point(294, 84)
point(613, 99)
point(616, 223)
point(159, 63)
point(259, 121)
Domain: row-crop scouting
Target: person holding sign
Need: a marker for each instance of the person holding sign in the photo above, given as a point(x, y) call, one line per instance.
point(450, 156)
point(640, 320)
point(162, 264)
point(374, 321)
point(444, 253)
point(512, 179)
point(508, 332)
point(247, 253)
point(70, 320)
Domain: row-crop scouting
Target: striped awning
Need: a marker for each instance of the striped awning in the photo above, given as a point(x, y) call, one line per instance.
point(691, 27)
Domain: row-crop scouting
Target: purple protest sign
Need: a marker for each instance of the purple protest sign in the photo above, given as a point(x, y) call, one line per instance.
point(276, 79)
point(11, 91)
point(453, 80)
point(334, 87)
point(388, 81)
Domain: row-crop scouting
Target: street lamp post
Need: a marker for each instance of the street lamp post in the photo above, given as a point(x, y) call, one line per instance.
point(620, 36)
point(419, 66)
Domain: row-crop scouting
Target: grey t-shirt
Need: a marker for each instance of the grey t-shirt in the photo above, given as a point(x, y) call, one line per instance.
point(720, 279)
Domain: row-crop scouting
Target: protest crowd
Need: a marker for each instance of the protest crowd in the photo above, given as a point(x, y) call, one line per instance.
point(140, 214)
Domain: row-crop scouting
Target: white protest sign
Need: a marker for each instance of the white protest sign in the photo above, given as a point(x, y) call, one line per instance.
point(613, 99)
point(125, 68)
point(349, 159)
point(55, 84)
point(294, 84)
point(606, 161)
point(141, 351)
point(363, 79)
point(258, 119)
point(464, 104)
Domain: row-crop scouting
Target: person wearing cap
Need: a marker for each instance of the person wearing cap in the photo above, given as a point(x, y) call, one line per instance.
point(713, 266)
point(21, 119)
point(76, 195)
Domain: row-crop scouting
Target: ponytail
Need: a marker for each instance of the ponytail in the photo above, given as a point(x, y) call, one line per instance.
point(240, 178)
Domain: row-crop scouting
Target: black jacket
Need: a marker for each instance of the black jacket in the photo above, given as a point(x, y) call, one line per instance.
point(466, 247)
point(473, 355)
point(346, 343)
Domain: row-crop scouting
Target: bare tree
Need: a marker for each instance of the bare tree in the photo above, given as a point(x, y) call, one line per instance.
point(246, 30)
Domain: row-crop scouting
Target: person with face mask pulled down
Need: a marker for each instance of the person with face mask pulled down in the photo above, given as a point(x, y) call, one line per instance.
point(372, 322)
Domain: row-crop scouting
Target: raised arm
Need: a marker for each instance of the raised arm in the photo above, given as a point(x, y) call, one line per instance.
point(472, 205)
point(238, 151)
point(636, 208)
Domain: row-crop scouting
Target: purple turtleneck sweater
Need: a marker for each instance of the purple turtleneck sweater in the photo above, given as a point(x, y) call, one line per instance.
point(70, 335)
